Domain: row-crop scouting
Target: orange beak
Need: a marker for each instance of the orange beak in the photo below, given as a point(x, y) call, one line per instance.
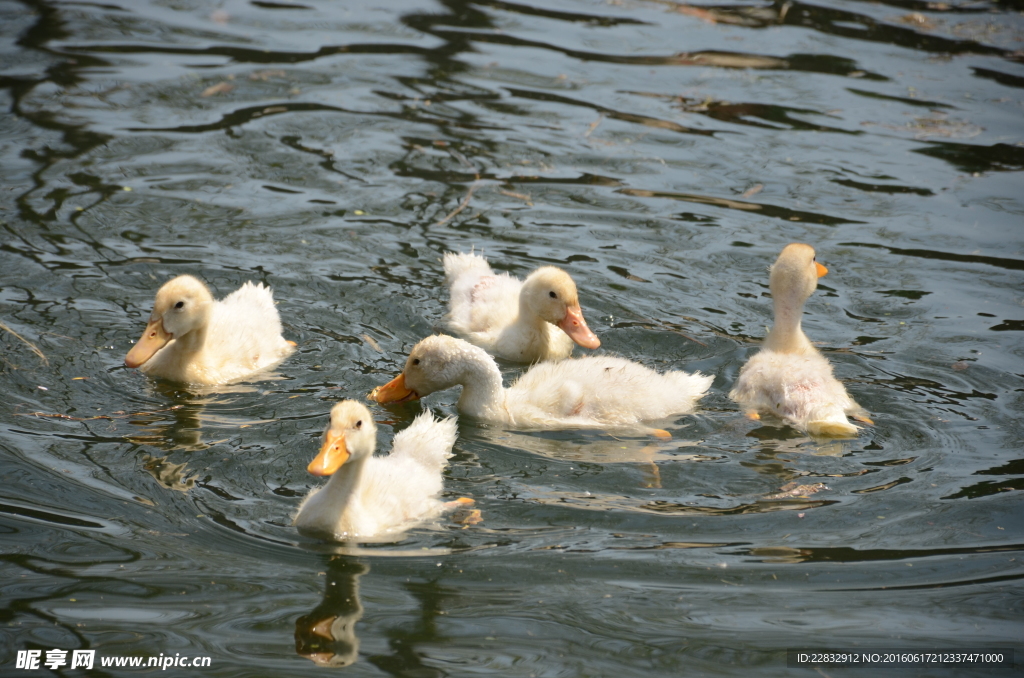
point(575, 326)
point(393, 392)
point(822, 271)
point(333, 454)
point(153, 339)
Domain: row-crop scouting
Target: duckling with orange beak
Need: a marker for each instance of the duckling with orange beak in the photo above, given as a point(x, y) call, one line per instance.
point(589, 392)
point(789, 377)
point(193, 338)
point(525, 321)
point(371, 498)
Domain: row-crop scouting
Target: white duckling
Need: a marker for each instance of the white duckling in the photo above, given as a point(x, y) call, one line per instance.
point(370, 497)
point(589, 392)
point(538, 319)
point(193, 338)
point(789, 377)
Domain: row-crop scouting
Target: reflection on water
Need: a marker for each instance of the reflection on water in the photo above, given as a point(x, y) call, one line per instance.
point(171, 476)
point(327, 635)
point(786, 439)
point(589, 446)
point(661, 152)
point(209, 408)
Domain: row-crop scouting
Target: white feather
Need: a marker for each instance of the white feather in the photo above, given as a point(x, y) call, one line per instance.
point(382, 496)
point(789, 377)
point(490, 310)
point(588, 392)
point(220, 341)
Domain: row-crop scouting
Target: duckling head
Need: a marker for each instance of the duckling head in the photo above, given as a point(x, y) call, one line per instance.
point(794, 275)
point(550, 293)
point(434, 364)
point(182, 305)
point(351, 434)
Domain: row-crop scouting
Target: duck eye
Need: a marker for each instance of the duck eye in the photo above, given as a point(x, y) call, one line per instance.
point(359, 424)
point(180, 304)
point(552, 295)
point(415, 361)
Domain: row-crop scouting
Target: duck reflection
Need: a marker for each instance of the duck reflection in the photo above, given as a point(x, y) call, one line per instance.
point(598, 448)
point(327, 635)
point(180, 426)
point(173, 428)
point(785, 439)
point(171, 476)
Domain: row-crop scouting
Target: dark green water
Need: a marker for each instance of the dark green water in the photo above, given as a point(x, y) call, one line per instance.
point(660, 154)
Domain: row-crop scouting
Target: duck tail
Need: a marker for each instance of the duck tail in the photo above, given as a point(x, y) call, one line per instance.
point(427, 440)
point(457, 264)
point(832, 429)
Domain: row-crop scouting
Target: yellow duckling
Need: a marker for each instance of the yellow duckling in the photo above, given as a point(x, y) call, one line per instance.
point(590, 392)
point(538, 319)
point(371, 497)
point(193, 338)
point(789, 377)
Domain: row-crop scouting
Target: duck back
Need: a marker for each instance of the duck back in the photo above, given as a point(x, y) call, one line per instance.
point(799, 388)
point(602, 391)
point(390, 493)
point(245, 333)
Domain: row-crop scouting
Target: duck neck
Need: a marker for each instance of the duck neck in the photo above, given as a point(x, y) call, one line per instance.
point(191, 342)
point(483, 394)
point(528, 320)
point(786, 335)
point(340, 490)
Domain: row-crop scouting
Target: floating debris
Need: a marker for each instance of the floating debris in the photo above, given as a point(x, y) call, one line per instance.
point(753, 190)
point(219, 88)
point(372, 342)
point(35, 349)
point(267, 75)
point(918, 20)
point(120, 414)
point(462, 205)
point(521, 196)
point(792, 490)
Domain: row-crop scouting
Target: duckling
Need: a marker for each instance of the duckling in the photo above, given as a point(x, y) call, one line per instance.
point(538, 319)
point(789, 377)
point(371, 497)
point(589, 392)
point(195, 339)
